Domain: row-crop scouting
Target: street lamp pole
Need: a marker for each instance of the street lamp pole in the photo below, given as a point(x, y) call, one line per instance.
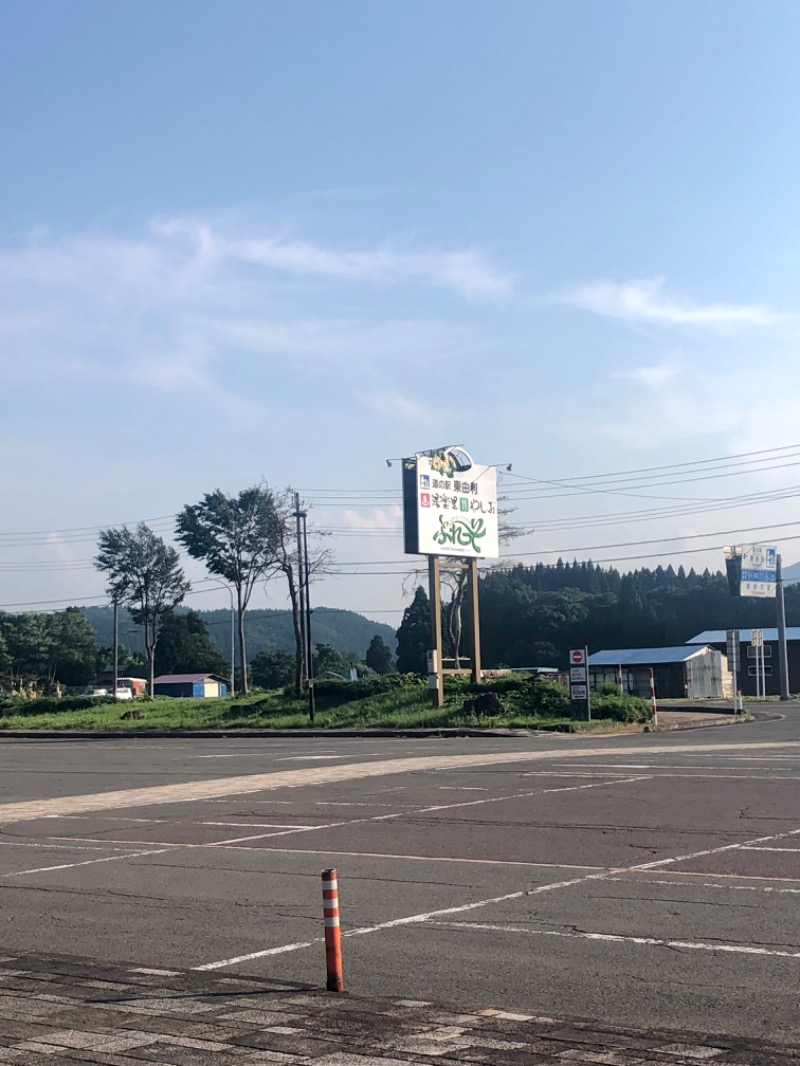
point(312, 703)
point(304, 574)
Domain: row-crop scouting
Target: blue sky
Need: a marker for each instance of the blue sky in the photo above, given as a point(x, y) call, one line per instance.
point(288, 241)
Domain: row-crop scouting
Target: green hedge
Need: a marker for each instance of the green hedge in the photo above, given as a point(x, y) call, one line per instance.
point(50, 705)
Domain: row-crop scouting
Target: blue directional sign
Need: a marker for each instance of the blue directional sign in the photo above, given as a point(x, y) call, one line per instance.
point(759, 570)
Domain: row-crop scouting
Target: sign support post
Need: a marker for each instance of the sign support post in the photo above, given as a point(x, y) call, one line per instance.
point(435, 677)
point(733, 664)
point(783, 657)
point(757, 644)
point(476, 622)
point(579, 700)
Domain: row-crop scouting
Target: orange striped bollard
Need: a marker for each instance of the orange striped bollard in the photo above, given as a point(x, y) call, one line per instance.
point(333, 933)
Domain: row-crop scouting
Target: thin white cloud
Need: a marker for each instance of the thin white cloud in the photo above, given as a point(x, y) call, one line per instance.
point(464, 272)
point(176, 307)
point(683, 400)
point(396, 405)
point(654, 377)
point(645, 301)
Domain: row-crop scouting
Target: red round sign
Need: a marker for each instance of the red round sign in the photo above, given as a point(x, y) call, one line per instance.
point(577, 657)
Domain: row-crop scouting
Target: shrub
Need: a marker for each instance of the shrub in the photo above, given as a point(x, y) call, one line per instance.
point(337, 692)
point(488, 703)
point(620, 708)
point(608, 688)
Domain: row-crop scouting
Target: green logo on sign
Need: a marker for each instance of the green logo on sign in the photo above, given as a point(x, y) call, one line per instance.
point(460, 532)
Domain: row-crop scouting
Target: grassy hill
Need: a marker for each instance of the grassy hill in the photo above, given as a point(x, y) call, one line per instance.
point(267, 630)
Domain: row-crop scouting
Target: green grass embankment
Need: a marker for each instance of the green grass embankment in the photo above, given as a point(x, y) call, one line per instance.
point(394, 702)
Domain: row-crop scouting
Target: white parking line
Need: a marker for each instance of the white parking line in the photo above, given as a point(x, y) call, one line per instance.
point(614, 938)
point(254, 825)
point(416, 919)
point(66, 847)
point(87, 862)
point(232, 755)
point(426, 858)
point(795, 851)
point(314, 758)
point(231, 841)
point(712, 770)
point(705, 884)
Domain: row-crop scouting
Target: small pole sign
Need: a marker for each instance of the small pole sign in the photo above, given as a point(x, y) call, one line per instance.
point(733, 648)
point(757, 645)
point(579, 702)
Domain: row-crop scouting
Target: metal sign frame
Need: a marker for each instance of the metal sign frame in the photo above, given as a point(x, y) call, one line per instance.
point(580, 703)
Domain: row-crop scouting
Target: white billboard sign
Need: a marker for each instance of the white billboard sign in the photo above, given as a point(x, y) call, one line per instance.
point(454, 512)
point(759, 566)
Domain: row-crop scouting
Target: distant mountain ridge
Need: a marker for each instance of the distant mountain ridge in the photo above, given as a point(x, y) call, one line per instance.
point(267, 630)
point(791, 574)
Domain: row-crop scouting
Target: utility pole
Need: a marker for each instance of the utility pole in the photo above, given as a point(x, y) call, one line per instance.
point(783, 658)
point(233, 645)
point(116, 648)
point(298, 514)
point(312, 703)
point(304, 582)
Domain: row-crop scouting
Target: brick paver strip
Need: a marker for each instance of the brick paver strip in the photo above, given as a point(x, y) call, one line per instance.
point(61, 1011)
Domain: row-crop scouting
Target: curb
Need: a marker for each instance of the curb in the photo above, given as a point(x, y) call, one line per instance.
point(341, 734)
point(216, 734)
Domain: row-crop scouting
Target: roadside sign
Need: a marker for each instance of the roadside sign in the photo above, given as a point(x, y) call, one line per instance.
point(752, 569)
point(757, 638)
point(579, 703)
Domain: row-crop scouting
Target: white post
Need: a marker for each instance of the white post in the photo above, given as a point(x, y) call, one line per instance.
point(653, 704)
point(763, 674)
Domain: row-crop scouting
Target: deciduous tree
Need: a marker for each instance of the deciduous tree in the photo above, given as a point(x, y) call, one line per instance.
point(327, 660)
point(237, 537)
point(273, 669)
point(145, 575)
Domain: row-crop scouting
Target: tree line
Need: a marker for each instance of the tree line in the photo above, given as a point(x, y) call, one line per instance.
point(533, 615)
point(242, 539)
point(49, 652)
point(530, 615)
point(61, 649)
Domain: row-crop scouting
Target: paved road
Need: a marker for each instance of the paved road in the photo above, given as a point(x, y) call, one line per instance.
point(634, 880)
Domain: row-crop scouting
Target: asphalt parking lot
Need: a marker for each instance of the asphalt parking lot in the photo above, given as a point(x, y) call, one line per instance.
point(635, 880)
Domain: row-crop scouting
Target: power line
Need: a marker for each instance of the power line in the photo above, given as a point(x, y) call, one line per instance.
point(85, 529)
point(695, 462)
point(583, 490)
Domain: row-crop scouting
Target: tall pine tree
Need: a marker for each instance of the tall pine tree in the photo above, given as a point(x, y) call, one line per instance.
point(414, 635)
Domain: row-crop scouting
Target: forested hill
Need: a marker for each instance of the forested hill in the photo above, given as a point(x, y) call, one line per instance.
point(267, 630)
point(533, 615)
